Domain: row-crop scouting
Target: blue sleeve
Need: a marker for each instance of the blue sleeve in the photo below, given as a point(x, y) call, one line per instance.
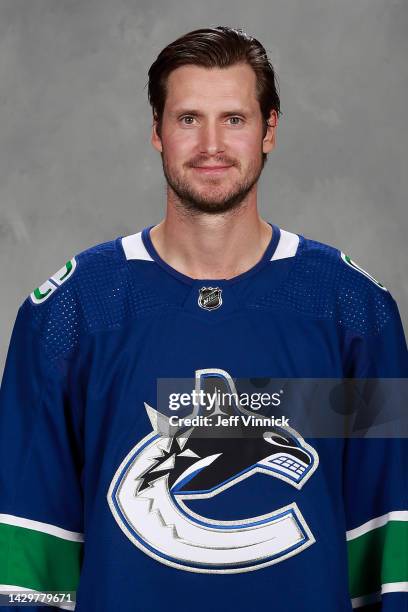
point(41, 524)
point(376, 485)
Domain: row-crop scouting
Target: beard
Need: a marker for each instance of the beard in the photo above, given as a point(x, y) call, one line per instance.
point(213, 198)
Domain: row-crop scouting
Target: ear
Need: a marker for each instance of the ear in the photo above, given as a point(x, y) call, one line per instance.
point(155, 138)
point(269, 140)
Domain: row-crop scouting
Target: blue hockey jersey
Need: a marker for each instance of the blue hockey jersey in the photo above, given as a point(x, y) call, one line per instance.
point(95, 498)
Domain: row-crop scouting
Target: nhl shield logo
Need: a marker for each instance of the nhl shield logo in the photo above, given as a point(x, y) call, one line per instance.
point(210, 298)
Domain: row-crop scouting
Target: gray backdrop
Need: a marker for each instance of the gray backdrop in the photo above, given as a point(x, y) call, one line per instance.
point(77, 167)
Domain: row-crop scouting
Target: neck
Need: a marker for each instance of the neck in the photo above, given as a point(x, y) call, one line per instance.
point(212, 246)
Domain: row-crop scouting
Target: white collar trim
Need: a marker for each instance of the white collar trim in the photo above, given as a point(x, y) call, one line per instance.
point(287, 245)
point(134, 248)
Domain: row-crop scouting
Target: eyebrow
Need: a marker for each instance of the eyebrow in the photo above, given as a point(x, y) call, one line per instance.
point(197, 113)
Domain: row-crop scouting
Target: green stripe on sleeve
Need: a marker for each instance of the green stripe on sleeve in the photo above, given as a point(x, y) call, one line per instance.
point(37, 560)
point(378, 557)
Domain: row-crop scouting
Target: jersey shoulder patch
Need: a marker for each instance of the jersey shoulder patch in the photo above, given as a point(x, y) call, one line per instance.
point(98, 252)
point(44, 291)
point(356, 267)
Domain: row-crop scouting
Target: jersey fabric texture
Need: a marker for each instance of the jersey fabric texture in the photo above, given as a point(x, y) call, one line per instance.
point(321, 526)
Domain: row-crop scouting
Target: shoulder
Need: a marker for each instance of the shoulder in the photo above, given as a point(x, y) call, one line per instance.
point(328, 283)
point(83, 269)
point(83, 295)
point(325, 257)
point(98, 289)
point(95, 269)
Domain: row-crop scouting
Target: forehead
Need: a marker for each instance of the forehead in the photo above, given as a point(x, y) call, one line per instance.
point(192, 85)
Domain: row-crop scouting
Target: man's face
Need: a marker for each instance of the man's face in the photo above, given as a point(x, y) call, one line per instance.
point(211, 138)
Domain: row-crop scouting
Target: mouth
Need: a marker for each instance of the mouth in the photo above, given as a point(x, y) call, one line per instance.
point(211, 169)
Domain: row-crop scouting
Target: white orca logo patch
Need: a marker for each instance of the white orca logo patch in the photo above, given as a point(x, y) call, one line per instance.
point(150, 493)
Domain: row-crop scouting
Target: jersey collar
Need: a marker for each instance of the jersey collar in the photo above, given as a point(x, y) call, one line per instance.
point(266, 257)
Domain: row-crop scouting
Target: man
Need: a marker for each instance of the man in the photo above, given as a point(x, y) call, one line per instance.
point(100, 494)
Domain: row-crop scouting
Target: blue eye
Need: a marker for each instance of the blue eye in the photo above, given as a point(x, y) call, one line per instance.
point(239, 119)
point(188, 120)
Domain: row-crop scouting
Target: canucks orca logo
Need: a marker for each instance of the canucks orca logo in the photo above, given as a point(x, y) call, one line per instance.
point(150, 493)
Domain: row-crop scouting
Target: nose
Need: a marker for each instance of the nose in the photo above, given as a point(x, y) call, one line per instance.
point(211, 138)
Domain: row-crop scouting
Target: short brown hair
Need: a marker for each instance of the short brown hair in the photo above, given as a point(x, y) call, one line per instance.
point(214, 47)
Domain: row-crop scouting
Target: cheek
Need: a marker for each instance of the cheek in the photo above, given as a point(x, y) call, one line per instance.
point(180, 142)
point(249, 155)
point(244, 146)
